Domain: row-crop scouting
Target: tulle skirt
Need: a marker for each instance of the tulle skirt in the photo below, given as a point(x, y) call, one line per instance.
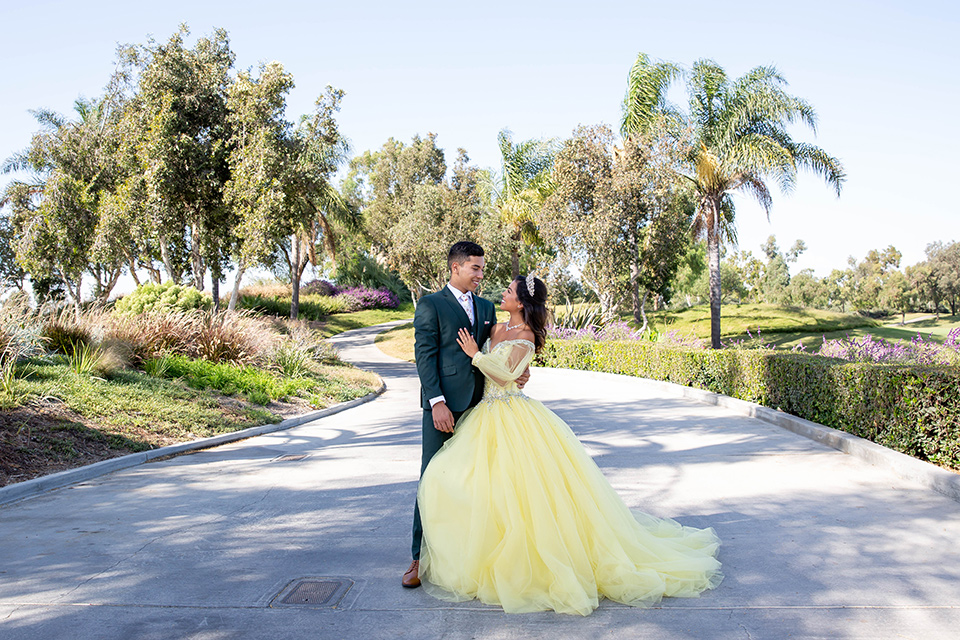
point(515, 513)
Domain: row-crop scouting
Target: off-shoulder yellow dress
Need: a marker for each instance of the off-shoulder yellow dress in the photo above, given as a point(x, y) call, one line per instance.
point(516, 513)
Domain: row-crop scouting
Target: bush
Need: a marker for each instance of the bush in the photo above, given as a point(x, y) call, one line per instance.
point(160, 297)
point(21, 337)
point(909, 408)
point(234, 337)
point(63, 332)
point(364, 298)
point(312, 307)
point(318, 288)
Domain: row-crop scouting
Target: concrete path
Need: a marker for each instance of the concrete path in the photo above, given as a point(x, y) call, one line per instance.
point(817, 544)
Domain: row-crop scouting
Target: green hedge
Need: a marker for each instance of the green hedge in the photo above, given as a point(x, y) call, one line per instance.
point(912, 409)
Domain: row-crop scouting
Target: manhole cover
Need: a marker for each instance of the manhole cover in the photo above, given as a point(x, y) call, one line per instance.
point(316, 592)
point(291, 457)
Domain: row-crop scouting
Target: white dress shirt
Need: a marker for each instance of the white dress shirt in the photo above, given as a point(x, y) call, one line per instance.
point(465, 298)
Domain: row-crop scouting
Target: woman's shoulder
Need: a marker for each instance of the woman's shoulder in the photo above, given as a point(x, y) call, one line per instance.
point(526, 334)
point(521, 336)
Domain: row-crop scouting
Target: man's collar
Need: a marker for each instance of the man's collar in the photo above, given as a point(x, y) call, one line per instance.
point(456, 292)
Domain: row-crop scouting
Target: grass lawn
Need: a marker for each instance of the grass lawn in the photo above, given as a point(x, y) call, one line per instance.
point(736, 320)
point(397, 342)
point(928, 327)
point(340, 322)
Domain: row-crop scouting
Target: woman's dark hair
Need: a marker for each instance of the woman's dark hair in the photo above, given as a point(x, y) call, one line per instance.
point(463, 251)
point(534, 308)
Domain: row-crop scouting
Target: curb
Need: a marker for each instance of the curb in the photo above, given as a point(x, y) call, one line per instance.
point(902, 465)
point(32, 488)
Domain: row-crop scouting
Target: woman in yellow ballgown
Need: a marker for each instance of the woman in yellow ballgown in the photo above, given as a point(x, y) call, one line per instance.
point(516, 513)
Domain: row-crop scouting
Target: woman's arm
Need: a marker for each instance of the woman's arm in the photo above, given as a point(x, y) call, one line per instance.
point(505, 364)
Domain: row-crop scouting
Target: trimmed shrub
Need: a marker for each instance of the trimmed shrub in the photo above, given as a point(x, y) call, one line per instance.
point(163, 297)
point(910, 408)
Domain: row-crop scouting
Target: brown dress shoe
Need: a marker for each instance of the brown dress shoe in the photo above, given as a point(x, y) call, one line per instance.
point(411, 579)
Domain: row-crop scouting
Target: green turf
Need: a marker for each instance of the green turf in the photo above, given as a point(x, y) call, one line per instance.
point(340, 322)
point(737, 320)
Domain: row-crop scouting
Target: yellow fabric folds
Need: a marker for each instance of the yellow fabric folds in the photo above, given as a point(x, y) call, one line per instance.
point(516, 513)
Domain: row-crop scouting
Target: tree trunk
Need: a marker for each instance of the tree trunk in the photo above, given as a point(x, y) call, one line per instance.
point(643, 312)
point(235, 294)
point(295, 277)
point(153, 272)
point(215, 290)
point(133, 270)
point(713, 263)
point(515, 255)
point(172, 273)
point(638, 315)
point(74, 295)
point(107, 289)
point(199, 269)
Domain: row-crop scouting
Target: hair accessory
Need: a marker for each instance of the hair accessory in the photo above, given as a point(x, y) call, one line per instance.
point(531, 284)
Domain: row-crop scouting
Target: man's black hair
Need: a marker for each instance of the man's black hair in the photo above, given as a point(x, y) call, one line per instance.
point(463, 251)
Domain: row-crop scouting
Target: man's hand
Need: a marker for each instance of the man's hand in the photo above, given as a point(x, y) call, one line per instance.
point(442, 418)
point(524, 377)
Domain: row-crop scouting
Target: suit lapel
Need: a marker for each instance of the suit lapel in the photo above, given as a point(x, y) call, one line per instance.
point(453, 302)
point(477, 322)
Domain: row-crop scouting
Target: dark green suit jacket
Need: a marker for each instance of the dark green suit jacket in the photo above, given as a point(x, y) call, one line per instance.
point(443, 367)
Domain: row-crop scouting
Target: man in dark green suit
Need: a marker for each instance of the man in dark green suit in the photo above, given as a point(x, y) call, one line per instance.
point(449, 383)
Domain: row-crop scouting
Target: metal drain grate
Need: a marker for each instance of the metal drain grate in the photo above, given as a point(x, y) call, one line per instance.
point(309, 592)
point(291, 457)
point(314, 592)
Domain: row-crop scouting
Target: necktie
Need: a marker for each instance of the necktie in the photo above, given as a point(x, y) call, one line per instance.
point(467, 305)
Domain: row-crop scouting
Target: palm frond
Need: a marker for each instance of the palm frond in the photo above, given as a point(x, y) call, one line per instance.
point(756, 187)
point(645, 99)
point(820, 162)
point(19, 161)
point(48, 118)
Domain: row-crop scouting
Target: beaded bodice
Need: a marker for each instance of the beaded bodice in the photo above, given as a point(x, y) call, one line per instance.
point(493, 392)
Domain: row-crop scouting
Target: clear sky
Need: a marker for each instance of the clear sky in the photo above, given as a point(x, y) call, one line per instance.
point(883, 76)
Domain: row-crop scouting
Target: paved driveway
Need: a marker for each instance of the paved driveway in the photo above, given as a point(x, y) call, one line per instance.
point(817, 544)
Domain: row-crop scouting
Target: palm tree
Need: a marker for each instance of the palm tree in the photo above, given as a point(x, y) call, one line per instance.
point(520, 189)
point(740, 141)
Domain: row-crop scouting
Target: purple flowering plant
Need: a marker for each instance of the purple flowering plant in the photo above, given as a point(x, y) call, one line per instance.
point(922, 351)
point(366, 298)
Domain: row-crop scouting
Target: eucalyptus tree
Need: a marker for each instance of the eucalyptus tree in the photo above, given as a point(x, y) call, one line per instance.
point(55, 211)
point(176, 142)
point(519, 190)
point(255, 191)
point(280, 176)
point(412, 214)
point(618, 214)
point(317, 150)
